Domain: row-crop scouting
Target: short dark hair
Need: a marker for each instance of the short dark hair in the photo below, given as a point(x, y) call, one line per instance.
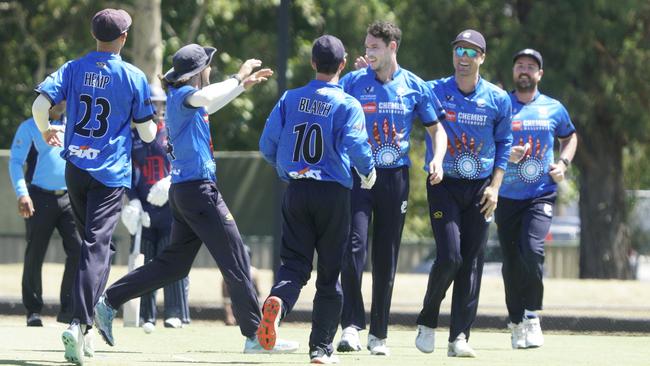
point(328, 69)
point(387, 31)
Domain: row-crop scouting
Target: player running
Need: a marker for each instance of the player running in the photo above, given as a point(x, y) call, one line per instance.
point(461, 206)
point(104, 96)
point(199, 213)
point(392, 98)
point(528, 194)
point(311, 137)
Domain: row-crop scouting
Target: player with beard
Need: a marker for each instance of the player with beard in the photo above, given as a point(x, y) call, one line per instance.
point(528, 193)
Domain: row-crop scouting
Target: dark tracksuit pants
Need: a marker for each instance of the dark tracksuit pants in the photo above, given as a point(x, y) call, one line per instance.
point(385, 204)
point(96, 209)
point(154, 240)
point(51, 210)
point(199, 216)
point(461, 232)
point(315, 216)
point(522, 226)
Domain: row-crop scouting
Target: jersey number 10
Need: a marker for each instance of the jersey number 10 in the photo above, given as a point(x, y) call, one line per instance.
point(309, 142)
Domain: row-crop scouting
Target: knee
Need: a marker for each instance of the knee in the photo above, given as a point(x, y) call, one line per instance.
point(449, 265)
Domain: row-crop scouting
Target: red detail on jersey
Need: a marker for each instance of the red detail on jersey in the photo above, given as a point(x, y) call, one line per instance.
point(84, 147)
point(516, 125)
point(206, 119)
point(451, 116)
point(375, 133)
point(385, 128)
point(370, 107)
point(153, 169)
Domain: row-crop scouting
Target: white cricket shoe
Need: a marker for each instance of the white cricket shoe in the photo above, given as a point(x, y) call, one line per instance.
point(460, 348)
point(518, 335)
point(425, 341)
point(349, 341)
point(534, 336)
point(89, 345)
point(377, 346)
point(73, 341)
point(253, 346)
point(319, 356)
point(173, 323)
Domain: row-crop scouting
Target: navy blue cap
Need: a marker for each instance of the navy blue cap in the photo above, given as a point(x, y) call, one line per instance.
point(473, 37)
point(189, 61)
point(108, 24)
point(327, 50)
point(530, 53)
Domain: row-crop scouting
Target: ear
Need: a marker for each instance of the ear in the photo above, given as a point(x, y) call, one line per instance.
point(342, 64)
point(393, 45)
point(313, 65)
point(541, 73)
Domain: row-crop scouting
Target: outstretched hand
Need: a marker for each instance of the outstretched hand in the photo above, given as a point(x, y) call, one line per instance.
point(247, 67)
point(257, 77)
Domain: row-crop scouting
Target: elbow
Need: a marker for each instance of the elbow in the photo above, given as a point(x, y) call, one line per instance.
point(147, 131)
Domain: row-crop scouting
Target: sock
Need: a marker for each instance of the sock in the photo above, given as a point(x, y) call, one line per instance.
point(529, 314)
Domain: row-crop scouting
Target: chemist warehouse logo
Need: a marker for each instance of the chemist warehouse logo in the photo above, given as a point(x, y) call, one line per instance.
point(83, 152)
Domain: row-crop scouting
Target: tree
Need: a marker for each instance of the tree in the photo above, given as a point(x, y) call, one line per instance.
point(597, 65)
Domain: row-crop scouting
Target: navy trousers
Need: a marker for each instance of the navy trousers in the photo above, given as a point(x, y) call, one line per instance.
point(385, 204)
point(461, 232)
point(315, 217)
point(96, 210)
point(51, 210)
point(199, 216)
point(522, 226)
point(154, 240)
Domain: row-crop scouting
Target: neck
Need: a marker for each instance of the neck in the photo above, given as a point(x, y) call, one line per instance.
point(467, 83)
point(525, 96)
point(111, 47)
point(328, 78)
point(386, 74)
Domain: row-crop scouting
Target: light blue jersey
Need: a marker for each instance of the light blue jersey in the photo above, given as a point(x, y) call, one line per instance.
point(315, 132)
point(50, 167)
point(536, 123)
point(390, 109)
point(189, 138)
point(103, 96)
point(477, 126)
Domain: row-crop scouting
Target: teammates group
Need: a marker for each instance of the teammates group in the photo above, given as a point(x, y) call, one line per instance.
point(342, 144)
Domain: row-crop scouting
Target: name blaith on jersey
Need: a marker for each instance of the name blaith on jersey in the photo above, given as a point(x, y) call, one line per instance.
point(315, 107)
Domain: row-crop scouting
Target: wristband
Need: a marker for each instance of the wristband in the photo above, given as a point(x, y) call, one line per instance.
point(236, 77)
point(565, 161)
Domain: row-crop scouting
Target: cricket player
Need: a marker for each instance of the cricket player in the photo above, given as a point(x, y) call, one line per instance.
point(104, 96)
point(392, 98)
point(44, 203)
point(148, 197)
point(460, 207)
point(528, 193)
point(311, 137)
point(199, 214)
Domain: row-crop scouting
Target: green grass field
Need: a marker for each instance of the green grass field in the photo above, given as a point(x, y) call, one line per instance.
point(211, 343)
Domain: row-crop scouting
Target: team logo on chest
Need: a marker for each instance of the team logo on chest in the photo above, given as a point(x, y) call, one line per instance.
point(387, 151)
point(531, 168)
point(465, 152)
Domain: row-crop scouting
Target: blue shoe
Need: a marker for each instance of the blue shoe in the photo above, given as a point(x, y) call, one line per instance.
point(73, 341)
point(104, 315)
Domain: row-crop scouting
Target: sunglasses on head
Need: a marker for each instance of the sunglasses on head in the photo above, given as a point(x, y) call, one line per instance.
point(470, 52)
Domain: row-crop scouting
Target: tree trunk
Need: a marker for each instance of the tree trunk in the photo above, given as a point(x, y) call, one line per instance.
point(604, 239)
point(147, 39)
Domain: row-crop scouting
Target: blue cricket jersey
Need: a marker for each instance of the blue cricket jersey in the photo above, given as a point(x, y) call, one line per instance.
point(390, 109)
point(189, 137)
point(50, 167)
point(477, 126)
point(315, 132)
point(103, 95)
point(536, 123)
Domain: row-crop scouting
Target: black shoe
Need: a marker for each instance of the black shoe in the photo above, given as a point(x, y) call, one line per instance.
point(34, 320)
